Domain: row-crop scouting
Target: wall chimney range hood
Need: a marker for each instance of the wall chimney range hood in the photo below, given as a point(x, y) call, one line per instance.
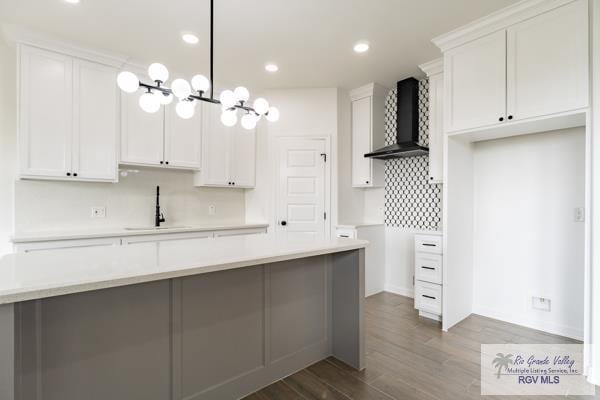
point(407, 125)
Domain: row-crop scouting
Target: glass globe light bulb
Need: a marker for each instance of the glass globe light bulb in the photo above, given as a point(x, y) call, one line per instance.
point(249, 121)
point(273, 114)
point(241, 94)
point(164, 99)
point(227, 99)
point(149, 102)
point(261, 106)
point(229, 118)
point(128, 82)
point(200, 83)
point(185, 109)
point(158, 72)
point(181, 88)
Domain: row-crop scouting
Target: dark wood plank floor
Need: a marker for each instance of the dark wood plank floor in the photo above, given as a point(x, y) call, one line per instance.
point(408, 358)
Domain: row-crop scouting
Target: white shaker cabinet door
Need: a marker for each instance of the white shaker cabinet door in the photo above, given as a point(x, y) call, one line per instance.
point(45, 113)
point(547, 63)
point(243, 157)
point(141, 133)
point(183, 138)
point(215, 148)
point(361, 142)
point(95, 135)
point(475, 84)
point(436, 128)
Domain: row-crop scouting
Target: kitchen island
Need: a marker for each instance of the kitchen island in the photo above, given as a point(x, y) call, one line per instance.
point(212, 320)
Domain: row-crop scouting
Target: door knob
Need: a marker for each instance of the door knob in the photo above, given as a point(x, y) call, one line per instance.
point(283, 223)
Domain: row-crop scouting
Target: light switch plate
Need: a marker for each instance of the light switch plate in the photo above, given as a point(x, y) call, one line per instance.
point(98, 212)
point(579, 214)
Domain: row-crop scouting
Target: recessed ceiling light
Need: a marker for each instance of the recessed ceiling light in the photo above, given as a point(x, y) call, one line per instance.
point(272, 67)
point(361, 47)
point(72, 1)
point(190, 38)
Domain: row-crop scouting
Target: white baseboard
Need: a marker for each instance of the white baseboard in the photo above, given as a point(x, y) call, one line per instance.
point(400, 291)
point(554, 329)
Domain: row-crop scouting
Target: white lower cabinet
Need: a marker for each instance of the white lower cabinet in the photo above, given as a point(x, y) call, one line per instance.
point(428, 276)
point(68, 117)
point(167, 240)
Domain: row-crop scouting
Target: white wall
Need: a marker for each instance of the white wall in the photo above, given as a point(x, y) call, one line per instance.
point(7, 143)
point(49, 205)
point(526, 241)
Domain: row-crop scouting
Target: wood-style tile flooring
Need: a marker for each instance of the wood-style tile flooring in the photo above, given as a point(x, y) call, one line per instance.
point(409, 358)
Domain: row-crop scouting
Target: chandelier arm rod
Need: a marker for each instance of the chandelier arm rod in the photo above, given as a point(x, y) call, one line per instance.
point(166, 90)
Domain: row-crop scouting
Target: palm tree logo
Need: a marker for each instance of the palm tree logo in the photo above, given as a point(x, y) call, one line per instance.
point(502, 361)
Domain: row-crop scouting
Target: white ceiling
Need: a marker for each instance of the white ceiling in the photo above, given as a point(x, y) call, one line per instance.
point(310, 40)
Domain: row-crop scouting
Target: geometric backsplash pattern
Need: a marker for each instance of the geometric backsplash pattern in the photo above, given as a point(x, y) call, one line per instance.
point(410, 200)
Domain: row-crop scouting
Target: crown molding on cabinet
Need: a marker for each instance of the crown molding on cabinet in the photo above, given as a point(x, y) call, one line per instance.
point(496, 21)
point(372, 89)
point(433, 67)
point(17, 35)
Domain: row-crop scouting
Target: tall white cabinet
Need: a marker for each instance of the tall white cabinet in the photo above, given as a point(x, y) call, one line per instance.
point(435, 74)
point(228, 154)
point(368, 134)
point(68, 117)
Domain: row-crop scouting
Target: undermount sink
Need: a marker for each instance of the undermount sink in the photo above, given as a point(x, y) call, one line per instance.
point(156, 228)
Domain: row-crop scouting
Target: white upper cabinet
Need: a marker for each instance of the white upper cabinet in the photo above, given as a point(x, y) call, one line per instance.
point(228, 154)
point(96, 121)
point(45, 113)
point(142, 134)
point(533, 67)
point(435, 74)
point(183, 138)
point(67, 117)
point(476, 83)
point(547, 64)
point(368, 114)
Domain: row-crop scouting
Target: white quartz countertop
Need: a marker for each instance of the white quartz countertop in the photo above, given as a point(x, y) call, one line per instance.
point(29, 237)
point(29, 276)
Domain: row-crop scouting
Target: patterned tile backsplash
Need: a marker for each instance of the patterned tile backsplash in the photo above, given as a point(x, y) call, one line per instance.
point(410, 200)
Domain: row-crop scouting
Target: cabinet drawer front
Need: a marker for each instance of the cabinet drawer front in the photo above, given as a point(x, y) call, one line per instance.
point(428, 244)
point(428, 268)
point(346, 233)
point(428, 297)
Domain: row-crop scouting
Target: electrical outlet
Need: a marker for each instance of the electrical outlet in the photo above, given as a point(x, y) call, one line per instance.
point(540, 303)
point(212, 210)
point(98, 212)
point(579, 214)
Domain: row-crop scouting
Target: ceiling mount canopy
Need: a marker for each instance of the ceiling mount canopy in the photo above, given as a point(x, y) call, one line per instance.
point(157, 94)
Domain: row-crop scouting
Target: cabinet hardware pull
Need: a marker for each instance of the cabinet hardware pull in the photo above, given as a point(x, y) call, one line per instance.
point(68, 174)
point(166, 162)
point(424, 267)
point(501, 119)
point(429, 297)
point(162, 162)
point(75, 174)
point(510, 117)
point(429, 244)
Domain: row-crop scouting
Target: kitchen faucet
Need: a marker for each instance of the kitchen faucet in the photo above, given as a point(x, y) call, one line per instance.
point(159, 217)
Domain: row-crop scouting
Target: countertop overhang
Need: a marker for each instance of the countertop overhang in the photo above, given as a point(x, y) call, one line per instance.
point(31, 276)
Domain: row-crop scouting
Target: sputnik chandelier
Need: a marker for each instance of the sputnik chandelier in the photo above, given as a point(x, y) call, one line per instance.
point(157, 94)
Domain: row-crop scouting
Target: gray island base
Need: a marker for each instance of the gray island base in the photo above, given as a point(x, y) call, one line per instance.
point(216, 335)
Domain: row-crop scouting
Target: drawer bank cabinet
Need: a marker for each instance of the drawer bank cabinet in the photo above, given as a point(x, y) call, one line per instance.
point(428, 275)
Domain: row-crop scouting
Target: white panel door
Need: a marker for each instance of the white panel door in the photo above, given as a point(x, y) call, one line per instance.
point(215, 148)
point(361, 142)
point(301, 191)
point(142, 134)
point(243, 157)
point(183, 138)
point(547, 63)
point(96, 121)
point(46, 113)
point(476, 83)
